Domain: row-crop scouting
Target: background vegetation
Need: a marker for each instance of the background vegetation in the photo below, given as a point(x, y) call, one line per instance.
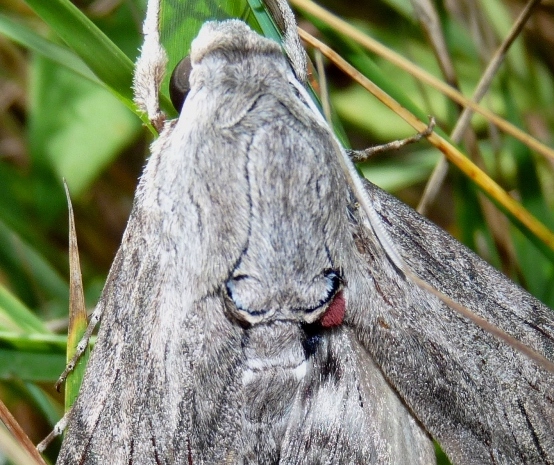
point(59, 119)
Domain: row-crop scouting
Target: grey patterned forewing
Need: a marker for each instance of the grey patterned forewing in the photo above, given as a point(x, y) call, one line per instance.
point(158, 313)
point(347, 413)
point(483, 401)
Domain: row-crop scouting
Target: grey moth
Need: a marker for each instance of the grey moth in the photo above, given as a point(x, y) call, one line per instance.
point(254, 315)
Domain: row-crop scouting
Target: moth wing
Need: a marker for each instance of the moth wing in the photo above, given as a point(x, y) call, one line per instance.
point(348, 414)
point(122, 378)
point(134, 405)
point(482, 400)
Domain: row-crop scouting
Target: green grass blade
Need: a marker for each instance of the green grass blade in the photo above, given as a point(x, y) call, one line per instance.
point(101, 55)
point(77, 315)
point(29, 39)
point(31, 357)
point(14, 316)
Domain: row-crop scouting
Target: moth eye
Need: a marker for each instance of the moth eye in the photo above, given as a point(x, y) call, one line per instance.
point(179, 84)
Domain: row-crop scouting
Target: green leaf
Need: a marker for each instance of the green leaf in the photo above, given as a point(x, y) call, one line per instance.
point(101, 55)
point(30, 366)
point(26, 37)
point(31, 357)
point(14, 316)
point(77, 127)
point(29, 274)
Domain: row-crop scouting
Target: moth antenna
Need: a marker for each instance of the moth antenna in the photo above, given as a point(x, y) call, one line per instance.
point(383, 237)
point(150, 67)
point(284, 17)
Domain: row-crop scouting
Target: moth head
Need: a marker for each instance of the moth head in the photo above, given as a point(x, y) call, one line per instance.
point(230, 37)
point(220, 50)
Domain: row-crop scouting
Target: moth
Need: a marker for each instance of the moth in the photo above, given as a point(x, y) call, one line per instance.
point(256, 313)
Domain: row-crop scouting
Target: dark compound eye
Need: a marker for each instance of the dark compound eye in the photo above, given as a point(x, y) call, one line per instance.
point(179, 84)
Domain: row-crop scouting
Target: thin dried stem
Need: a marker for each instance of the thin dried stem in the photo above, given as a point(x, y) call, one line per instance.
point(439, 173)
point(452, 153)
point(344, 28)
point(17, 432)
point(429, 19)
point(323, 92)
